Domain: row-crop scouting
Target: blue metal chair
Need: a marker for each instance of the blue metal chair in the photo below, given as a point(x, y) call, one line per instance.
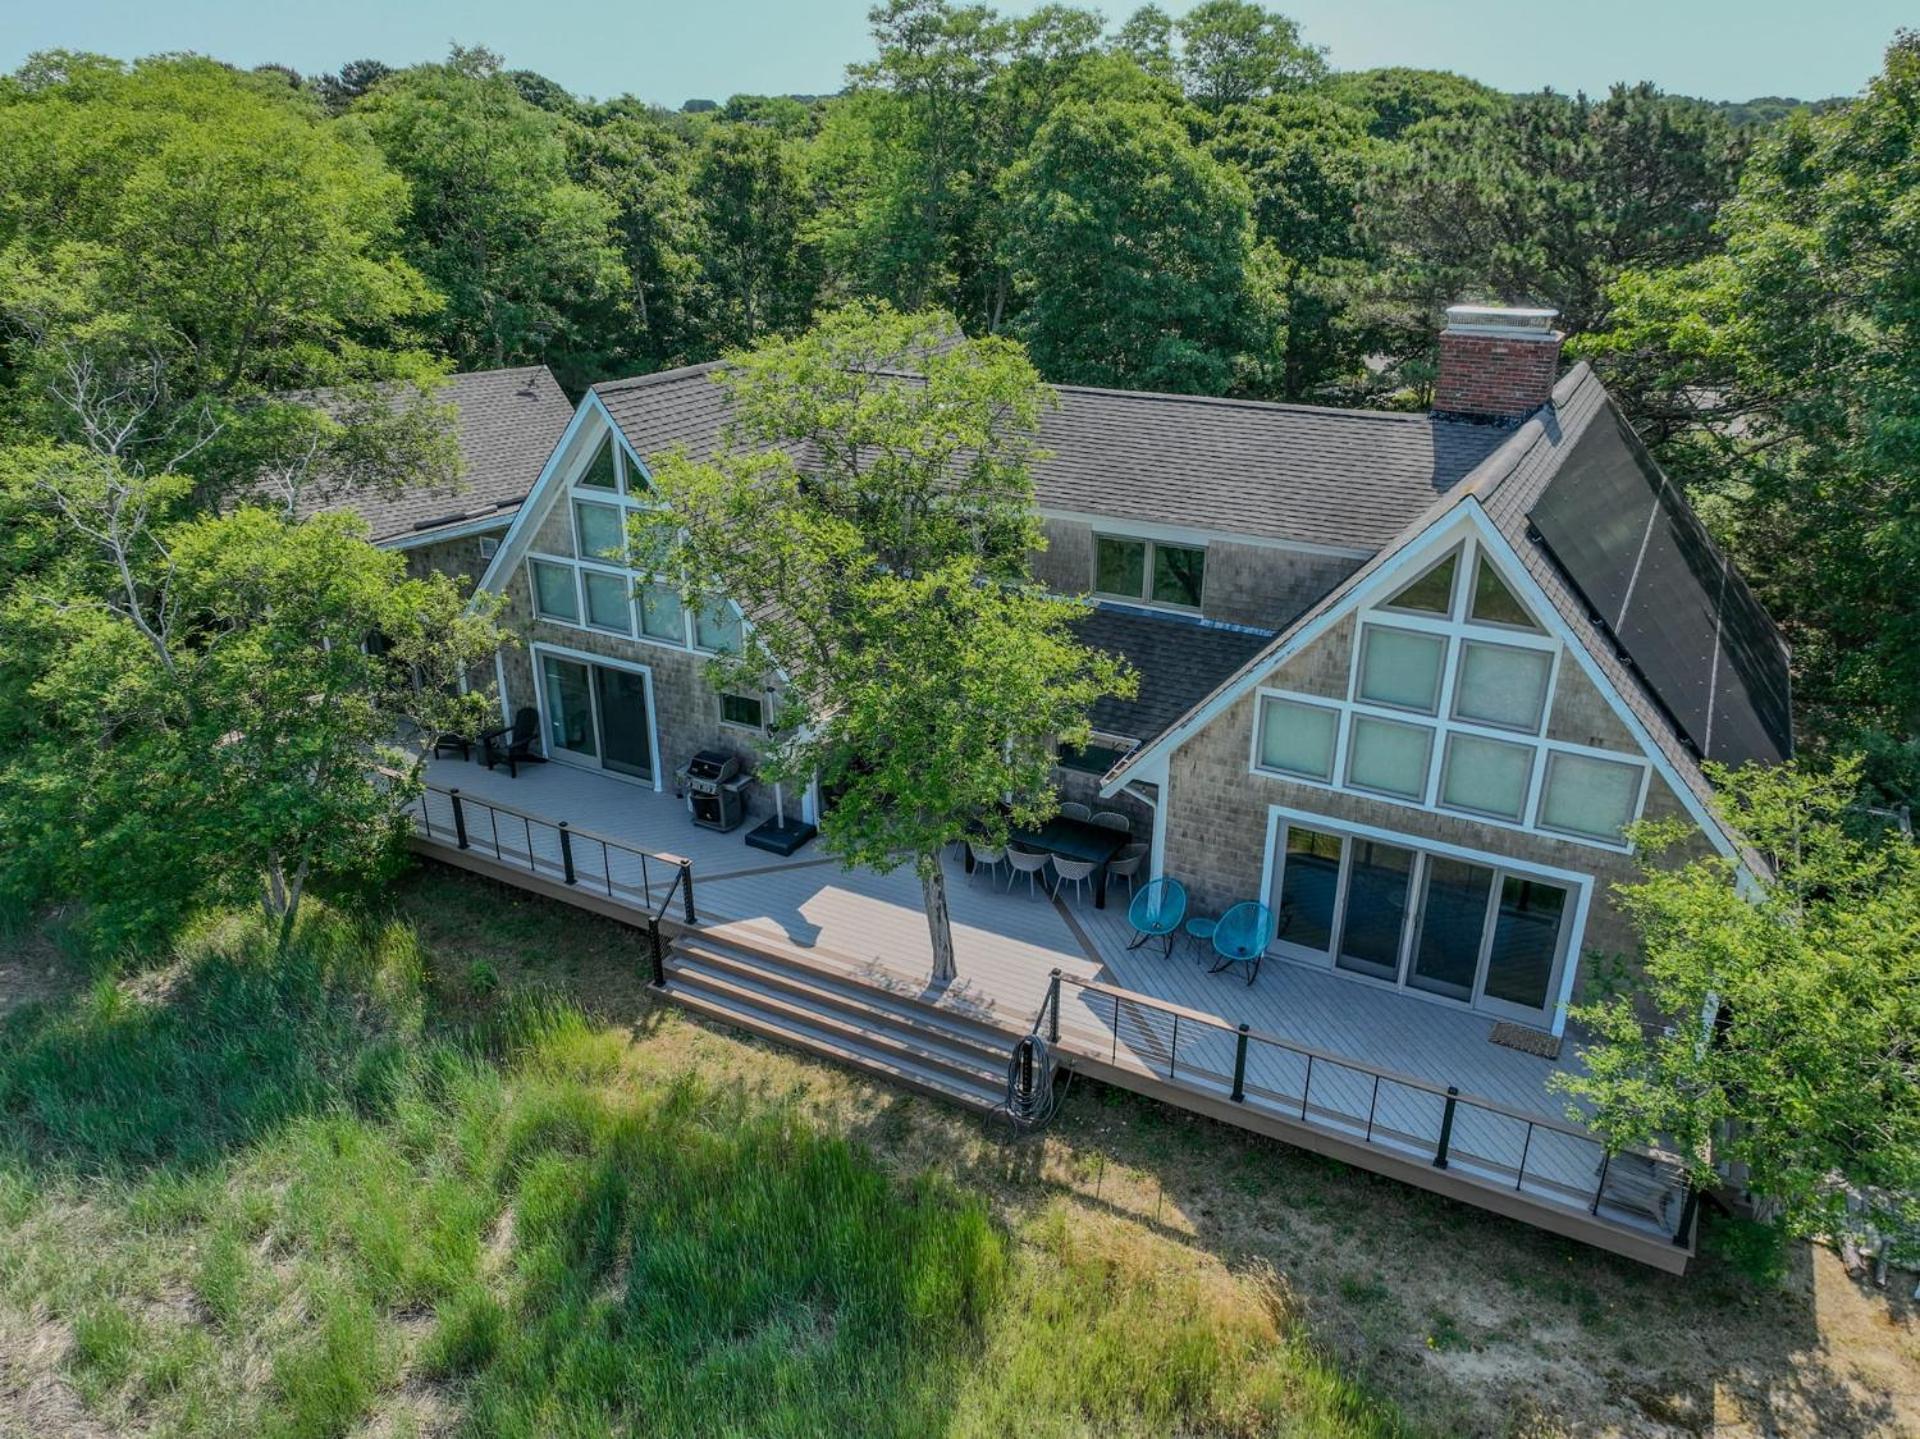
point(1156, 913)
point(1242, 937)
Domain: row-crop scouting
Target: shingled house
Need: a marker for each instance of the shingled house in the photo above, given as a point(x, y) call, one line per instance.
point(1406, 678)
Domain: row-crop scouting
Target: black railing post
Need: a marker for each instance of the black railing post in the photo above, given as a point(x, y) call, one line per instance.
point(566, 851)
point(1240, 1066)
point(686, 889)
point(659, 954)
point(1173, 1049)
point(1689, 1212)
point(459, 818)
point(1525, 1149)
point(1373, 1106)
point(1599, 1189)
point(1053, 1003)
point(1306, 1090)
point(1446, 1129)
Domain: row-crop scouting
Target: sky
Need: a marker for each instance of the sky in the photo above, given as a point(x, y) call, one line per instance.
point(668, 51)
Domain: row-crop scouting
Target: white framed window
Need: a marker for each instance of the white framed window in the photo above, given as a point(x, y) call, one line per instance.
point(662, 615)
point(1400, 668)
point(554, 595)
point(1126, 567)
point(1431, 594)
point(743, 712)
point(1502, 685)
point(603, 470)
point(1588, 796)
point(716, 628)
point(608, 597)
point(489, 546)
point(1493, 601)
point(1455, 643)
point(1298, 738)
point(1486, 776)
point(599, 531)
point(1389, 756)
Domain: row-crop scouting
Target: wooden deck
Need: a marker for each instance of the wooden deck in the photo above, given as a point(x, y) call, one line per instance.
point(1319, 1040)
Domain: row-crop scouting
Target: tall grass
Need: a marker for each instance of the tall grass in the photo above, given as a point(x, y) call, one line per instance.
point(279, 1198)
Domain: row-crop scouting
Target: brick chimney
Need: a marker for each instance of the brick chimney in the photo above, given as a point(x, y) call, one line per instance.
point(1497, 364)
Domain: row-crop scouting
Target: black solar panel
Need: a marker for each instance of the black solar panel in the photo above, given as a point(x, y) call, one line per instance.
point(1644, 564)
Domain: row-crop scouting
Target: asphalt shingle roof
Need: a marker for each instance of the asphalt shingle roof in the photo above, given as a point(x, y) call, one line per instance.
point(1344, 478)
point(506, 423)
point(1181, 660)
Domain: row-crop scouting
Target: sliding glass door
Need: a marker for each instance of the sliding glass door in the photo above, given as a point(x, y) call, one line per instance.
point(598, 713)
point(1453, 927)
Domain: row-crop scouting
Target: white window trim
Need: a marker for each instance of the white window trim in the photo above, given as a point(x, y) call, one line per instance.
point(725, 723)
point(1145, 597)
point(1538, 797)
point(1456, 631)
point(1337, 764)
point(597, 765)
point(635, 631)
point(1566, 962)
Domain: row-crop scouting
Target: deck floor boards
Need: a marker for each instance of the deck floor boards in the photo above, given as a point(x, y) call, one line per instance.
point(1007, 943)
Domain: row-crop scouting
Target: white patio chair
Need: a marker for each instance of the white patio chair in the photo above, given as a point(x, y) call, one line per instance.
point(1114, 819)
point(1027, 862)
point(1070, 810)
point(1126, 865)
point(985, 857)
point(1075, 872)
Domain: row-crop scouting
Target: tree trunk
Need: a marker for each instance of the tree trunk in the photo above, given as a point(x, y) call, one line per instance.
point(933, 892)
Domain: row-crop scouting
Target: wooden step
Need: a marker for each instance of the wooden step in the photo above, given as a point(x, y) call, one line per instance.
point(843, 1026)
point(745, 1014)
point(818, 987)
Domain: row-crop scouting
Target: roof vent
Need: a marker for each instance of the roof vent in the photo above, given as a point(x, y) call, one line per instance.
point(1497, 362)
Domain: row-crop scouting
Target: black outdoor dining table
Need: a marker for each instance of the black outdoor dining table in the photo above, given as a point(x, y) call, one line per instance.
point(1073, 839)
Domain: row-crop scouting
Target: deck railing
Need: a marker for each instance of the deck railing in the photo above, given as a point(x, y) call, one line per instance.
point(648, 880)
point(1478, 1139)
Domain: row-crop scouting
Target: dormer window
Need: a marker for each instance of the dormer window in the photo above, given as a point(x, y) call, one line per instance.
point(1149, 571)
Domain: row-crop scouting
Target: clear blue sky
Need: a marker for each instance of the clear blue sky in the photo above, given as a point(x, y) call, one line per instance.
point(670, 50)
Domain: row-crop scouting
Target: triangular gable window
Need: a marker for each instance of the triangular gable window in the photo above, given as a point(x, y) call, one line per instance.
point(600, 475)
point(1493, 602)
point(1432, 593)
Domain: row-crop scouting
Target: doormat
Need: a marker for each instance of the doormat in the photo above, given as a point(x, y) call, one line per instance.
point(1527, 1041)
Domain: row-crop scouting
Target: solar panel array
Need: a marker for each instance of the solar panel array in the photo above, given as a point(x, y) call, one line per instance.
point(1629, 542)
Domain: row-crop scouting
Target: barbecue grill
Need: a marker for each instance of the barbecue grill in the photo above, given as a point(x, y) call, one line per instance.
point(715, 789)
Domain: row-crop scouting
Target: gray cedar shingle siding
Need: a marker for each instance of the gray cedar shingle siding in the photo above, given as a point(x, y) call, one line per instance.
point(506, 423)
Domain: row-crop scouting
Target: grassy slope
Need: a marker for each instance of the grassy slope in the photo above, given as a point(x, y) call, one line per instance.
point(332, 1196)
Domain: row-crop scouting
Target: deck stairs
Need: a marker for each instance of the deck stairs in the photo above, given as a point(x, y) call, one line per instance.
point(812, 1005)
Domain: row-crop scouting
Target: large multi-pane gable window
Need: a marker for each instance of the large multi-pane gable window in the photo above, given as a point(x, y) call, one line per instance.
point(1451, 682)
point(598, 587)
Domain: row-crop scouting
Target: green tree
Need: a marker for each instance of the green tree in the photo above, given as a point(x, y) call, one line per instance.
point(181, 245)
point(1546, 201)
point(1779, 378)
point(1305, 160)
point(196, 715)
point(752, 207)
point(1395, 99)
point(1233, 51)
point(1792, 1036)
point(520, 252)
point(927, 680)
point(1131, 249)
point(1146, 38)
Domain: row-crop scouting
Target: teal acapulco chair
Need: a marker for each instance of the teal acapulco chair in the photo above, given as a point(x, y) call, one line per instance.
point(1242, 937)
point(1156, 913)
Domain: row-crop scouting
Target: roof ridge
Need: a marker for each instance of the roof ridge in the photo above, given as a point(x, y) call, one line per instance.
point(657, 377)
point(1241, 402)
